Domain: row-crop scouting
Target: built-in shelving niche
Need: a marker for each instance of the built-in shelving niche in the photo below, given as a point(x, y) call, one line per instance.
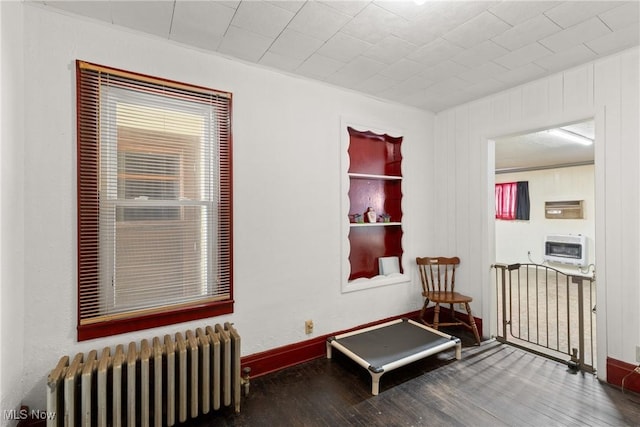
point(373, 179)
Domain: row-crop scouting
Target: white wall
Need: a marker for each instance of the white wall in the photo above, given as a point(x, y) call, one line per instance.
point(287, 214)
point(515, 238)
point(286, 169)
point(11, 207)
point(463, 164)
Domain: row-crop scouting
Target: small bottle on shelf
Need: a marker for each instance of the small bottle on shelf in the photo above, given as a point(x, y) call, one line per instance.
point(370, 215)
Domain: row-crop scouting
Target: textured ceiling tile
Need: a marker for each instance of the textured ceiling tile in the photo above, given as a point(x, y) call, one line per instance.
point(447, 15)
point(622, 16)
point(376, 84)
point(94, 9)
point(344, 47)
point(318, 66)
point(318, 20)
point(416, 99)
point(409, 87)
point(479, 54)
point(350, 7)
point(413, 84)
point(233, 4)
point(616, 41)
point(516, 12)
point(372, 17)
point(485, 87)
point(527, 32)
point(434, 52)
point(409, 10)
point(477, 30)
point(389, 35)
point(570, 13)
point(453, 84)
point(295, 45)
point(152, 17)
point(566, 59)
point(427, 27)
point(286, 63)
point(523, 56)
point(355, 71)
point(389, 50)
point(483, 72)
point(523, 74)
point(397, 93)
point(443, 70)
point(201, 25)
point(402, 69)
point(433, 104)
point(244, 44)
point(580, 33)
point(290, 5)
point(456, 98)
point(416, 33)
point(261, 18)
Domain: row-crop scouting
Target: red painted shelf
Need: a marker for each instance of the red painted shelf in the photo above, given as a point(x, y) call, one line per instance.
point(375, 180)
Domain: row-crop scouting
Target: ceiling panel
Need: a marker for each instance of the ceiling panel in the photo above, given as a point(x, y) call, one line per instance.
point(152, 17)
point(517, 12)
point(407, 52)
point(523, 56)
point(578, 54)
point(527, 32)
point(476, 30)
point(576, 35)
point(543, 149)
point(202, 26)
point(318, 20)
point(569, 13)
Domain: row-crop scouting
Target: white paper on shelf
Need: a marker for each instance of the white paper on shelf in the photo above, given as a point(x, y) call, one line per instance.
point(388, 265)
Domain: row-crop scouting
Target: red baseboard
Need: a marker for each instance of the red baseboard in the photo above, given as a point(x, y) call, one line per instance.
point(618, 370)
point(283, 357)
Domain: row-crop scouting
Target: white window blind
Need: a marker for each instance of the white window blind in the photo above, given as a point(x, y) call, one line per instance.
point(154, 195)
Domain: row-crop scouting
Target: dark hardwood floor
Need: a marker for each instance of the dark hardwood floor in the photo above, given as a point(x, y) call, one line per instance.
point(493, 385)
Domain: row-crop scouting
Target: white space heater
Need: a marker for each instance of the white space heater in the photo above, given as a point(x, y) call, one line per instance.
point(566, 249)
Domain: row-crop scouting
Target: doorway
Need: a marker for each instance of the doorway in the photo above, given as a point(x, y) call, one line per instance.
point(537, 296)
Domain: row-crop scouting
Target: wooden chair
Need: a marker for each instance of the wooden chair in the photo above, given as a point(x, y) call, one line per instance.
point(438, 276)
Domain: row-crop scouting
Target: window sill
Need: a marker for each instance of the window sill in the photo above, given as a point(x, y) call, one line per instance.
point(170, 317)
point(374, 282)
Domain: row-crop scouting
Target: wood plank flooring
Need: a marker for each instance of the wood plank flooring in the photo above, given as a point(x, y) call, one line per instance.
point(493, 385)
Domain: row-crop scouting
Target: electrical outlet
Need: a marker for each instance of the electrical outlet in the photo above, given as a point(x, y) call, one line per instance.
point(638, 353)
point(308, 327)
point(461, 307)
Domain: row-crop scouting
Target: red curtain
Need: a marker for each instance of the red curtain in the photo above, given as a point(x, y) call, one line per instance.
point(506, 200)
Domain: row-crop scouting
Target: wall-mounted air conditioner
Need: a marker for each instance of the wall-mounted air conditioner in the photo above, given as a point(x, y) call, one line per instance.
point(566, 249)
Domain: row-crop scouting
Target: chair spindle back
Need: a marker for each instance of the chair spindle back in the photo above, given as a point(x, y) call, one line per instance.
point(438, 274)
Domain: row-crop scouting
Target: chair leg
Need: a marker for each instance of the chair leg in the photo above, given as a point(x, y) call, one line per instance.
point(436, 316)
point(472, 322)
point(423, 311)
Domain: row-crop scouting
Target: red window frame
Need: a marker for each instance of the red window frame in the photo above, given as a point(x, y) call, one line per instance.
point(88, 214)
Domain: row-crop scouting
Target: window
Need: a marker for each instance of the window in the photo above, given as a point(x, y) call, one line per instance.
point(154, 202)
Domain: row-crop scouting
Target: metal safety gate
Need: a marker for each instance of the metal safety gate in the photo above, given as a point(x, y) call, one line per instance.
point(548, 312)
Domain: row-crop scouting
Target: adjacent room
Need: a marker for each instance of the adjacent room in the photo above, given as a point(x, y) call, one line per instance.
point(200, 200)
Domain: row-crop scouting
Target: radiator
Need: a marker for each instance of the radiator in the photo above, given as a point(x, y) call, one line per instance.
point(160, 382)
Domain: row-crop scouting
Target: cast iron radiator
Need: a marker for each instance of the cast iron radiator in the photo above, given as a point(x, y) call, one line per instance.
point(159, 383)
